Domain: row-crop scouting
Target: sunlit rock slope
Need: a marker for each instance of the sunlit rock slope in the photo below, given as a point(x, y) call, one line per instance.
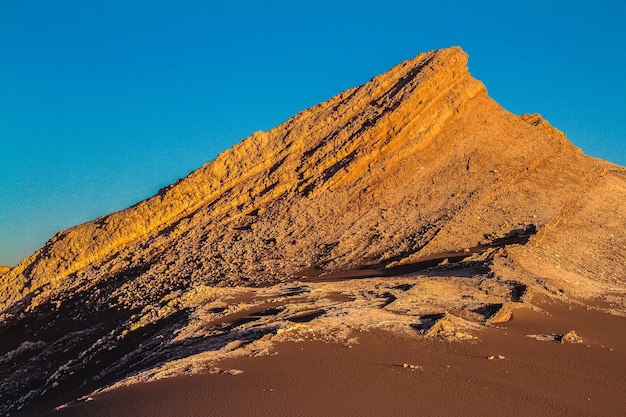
point(418, 168)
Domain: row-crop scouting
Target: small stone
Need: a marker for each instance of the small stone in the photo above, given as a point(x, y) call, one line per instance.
point(491, 357)
point(571, 337)
point(405, 365)
point(501, 357)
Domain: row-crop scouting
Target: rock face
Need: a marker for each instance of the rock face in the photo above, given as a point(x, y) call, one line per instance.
point(416, 164)
point(417, 161)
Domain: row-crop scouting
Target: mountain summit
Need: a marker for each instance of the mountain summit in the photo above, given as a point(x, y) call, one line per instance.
point(416, 170)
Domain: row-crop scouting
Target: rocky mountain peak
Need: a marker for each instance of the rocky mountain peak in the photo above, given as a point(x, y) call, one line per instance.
point(300, 155)
point(415, 172)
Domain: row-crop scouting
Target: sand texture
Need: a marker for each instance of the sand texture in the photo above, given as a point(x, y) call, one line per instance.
point(412, 211)
point(505, 373)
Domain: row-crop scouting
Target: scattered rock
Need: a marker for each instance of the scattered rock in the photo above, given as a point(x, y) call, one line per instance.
point(492, 357)
point(543, 337)
point(571, 337)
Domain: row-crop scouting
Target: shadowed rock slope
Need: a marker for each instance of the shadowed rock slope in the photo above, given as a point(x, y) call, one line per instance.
point(415, 164)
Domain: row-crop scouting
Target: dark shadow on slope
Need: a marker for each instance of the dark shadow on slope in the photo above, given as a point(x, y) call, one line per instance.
point(427, 321)
point(52, 350)
point(389, 298)
point(488, 310)
point(90, 361)
point(440, 260)
point(518, 290)
point(306, 316)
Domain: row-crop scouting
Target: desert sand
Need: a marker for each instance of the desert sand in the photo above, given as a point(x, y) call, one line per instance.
point(503, 372)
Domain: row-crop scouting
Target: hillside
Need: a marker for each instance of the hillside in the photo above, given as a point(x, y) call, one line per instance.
point(451, 210)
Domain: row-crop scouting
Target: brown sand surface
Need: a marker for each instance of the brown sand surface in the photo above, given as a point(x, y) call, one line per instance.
point(538, 378)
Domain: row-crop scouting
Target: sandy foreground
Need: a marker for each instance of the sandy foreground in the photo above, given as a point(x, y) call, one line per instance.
point(502, 372)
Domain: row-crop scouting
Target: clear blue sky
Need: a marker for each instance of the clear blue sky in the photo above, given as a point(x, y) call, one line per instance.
point(104, 102)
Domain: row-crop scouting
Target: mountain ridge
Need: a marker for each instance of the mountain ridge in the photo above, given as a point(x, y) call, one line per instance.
point(120, 234)
point(416, 178)
point(71, 250)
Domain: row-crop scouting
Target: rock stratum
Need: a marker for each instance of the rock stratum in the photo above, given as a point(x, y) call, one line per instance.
point(413, 203)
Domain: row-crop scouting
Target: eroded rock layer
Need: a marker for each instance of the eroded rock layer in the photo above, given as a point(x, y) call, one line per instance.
point(417, 168)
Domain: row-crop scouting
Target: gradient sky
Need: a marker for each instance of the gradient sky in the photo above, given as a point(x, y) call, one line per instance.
point(104, 102)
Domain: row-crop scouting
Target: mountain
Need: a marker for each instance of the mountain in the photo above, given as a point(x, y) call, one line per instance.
point(417, 173)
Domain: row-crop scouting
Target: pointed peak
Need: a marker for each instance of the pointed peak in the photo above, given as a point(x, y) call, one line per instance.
point(453, 55)
point(448, 63)
point(445, 64)
point(452, 51)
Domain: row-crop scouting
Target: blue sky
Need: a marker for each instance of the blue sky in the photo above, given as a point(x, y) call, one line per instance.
point(104, 102)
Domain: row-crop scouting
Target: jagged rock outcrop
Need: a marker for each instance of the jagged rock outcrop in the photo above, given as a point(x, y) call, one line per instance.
point(416, 163)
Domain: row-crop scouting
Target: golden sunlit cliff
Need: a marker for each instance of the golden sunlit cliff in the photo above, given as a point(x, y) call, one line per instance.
point(419, 160)
point(417, 164)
